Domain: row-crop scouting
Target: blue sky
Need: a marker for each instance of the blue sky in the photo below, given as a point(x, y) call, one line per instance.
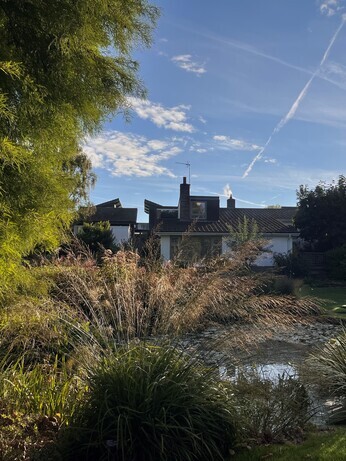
point(222, 77)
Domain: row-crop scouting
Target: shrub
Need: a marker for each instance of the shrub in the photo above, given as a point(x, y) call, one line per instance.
point(97, 236)
point(270, 410)
point(336, 263)
point(152, 403)
point(279, 285)
point(291, 264)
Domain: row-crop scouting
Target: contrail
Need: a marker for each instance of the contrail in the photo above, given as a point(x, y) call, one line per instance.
point(290, 114)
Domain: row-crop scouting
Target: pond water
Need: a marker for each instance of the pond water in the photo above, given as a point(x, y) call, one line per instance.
point(285, 353)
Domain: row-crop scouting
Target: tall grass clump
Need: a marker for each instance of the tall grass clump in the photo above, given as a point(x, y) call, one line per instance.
point(36, 401)
point(328, 370)
point(151, 403)
point(271, 410)
point(136, 298)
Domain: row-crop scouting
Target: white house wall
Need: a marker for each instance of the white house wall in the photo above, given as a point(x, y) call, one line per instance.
point(279, 244)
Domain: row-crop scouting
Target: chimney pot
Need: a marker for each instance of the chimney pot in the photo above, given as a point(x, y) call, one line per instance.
point(231, 202)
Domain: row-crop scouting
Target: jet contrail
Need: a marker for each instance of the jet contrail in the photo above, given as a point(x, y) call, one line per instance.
point(290, 114)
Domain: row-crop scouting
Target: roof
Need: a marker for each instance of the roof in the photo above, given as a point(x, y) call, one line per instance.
point(148, 205)
point(111, 203)
point(269, 221)
point(115, 216)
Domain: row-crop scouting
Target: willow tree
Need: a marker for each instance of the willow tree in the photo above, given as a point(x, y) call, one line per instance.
point(65, 65)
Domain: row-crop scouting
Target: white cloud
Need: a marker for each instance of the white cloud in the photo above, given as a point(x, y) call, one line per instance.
point(335, 70)
point(184, 61)
point(270, 160)
point(235, 144)
point(173, 118)
point(126, 154)
point(330, 7)
point(202, 119)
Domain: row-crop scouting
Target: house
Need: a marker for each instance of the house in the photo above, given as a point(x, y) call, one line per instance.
point(208, 225)
point(122, 220)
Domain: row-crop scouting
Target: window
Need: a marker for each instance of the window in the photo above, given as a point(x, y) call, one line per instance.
point(198, 210)
point(166, 213)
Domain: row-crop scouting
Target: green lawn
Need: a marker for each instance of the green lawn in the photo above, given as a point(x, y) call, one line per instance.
point(324, 446)
point(335, 298)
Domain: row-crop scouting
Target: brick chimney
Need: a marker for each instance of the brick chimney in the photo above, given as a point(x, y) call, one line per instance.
point(184, 201)
point(230, 202)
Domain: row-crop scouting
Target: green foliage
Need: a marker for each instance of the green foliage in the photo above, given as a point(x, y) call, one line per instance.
point(245, 231)
point(35, 403)
point(65, 65)
point(336, 263)
point(271, 410)
point(321, 217)
point(152, 403)
point(97, 236)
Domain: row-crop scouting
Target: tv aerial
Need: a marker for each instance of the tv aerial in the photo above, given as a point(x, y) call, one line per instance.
point(188, 165)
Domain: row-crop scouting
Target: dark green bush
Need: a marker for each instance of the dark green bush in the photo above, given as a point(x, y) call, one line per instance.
point(336, 263)
point(97, 237)
point(279, 285)
point(151, 403)
point(291, 264)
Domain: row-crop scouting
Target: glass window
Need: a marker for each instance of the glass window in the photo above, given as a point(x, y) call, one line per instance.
point(198, 210)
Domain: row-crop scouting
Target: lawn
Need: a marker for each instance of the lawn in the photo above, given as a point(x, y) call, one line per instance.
point(324, 446)
point(334, 297)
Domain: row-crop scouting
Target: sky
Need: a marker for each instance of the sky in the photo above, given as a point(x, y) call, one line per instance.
point(251, 93)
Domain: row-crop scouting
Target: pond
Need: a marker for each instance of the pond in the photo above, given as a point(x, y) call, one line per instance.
point(284, 352)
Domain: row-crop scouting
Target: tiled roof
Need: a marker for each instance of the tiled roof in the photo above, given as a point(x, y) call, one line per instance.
point(116, 216)
point(269, 220)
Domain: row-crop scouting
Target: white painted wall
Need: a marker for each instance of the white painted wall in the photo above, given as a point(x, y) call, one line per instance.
point(278, 244)
point(165, 247)
point(282, 245)
point(121, 234)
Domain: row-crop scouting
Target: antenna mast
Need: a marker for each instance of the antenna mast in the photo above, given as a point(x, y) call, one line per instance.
point(188, 164)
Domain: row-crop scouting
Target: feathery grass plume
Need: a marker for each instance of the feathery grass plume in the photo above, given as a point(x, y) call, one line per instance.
point(128, 298)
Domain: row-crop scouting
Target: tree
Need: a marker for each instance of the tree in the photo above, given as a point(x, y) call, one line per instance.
point(65, 65)
point(321, 215)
